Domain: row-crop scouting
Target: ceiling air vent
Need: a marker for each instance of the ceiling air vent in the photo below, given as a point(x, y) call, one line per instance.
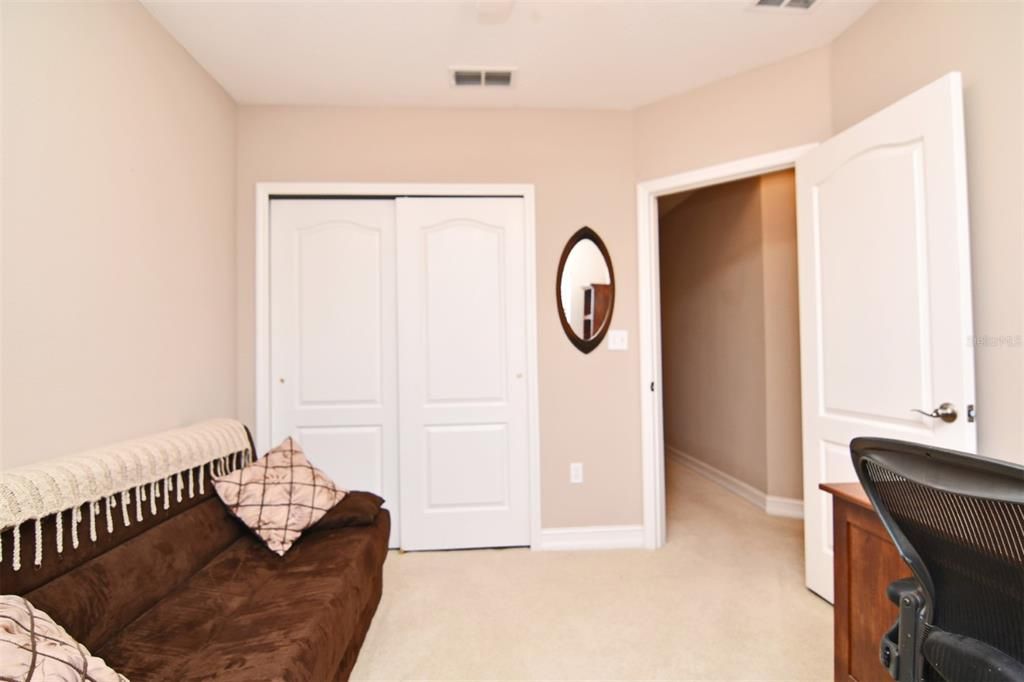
point(498, 78)
point(468, 77)
point(788, 4)
point(487, 77)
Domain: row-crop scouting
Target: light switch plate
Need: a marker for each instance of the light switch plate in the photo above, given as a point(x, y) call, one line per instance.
point(618, 339)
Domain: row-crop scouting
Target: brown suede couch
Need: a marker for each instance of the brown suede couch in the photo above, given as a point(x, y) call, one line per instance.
point(192, 594)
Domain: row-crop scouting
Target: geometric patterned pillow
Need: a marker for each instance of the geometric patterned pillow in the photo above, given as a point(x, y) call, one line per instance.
point(279, 496)
point(33, 647)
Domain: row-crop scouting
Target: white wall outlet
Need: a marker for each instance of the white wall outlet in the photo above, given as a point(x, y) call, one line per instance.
point(618, 339)
point(576, 472)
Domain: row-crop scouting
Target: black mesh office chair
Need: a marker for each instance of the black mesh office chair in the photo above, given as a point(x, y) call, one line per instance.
point(958, 522)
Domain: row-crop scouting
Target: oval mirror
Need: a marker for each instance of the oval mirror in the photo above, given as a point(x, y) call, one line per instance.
point(585, 289)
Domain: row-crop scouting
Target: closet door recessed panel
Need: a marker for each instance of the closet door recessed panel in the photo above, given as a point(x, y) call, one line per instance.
point(340, 313)
point(464, 308)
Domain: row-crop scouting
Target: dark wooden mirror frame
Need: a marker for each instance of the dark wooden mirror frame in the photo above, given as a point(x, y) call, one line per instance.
point(584, 345)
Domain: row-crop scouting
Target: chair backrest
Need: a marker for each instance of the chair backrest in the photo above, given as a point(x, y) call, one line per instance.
point(958, 521)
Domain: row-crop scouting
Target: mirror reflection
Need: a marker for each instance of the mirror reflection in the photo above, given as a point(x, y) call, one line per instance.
point(585, 289)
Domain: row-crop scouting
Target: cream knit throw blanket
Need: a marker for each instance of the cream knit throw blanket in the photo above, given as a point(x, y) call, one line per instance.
point(129, 475)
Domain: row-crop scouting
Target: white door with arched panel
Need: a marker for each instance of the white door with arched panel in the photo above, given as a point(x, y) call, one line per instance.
point(333, 362)
point(885, 295)
point(463, 381)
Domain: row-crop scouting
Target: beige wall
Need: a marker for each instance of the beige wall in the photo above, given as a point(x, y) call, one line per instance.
point(783, 427)
point(898, 47)
point(582, 166)
point(118, 216)
point(774, 107)
point(730, 332)
point(712, 322)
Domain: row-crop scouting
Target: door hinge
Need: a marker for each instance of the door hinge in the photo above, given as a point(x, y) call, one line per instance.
point(970, 414)
point(652, 387)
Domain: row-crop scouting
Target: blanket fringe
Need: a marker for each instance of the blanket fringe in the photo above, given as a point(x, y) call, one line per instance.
point(39, 543)
point(16, 563)
point(126, 499)
point(96, 482)
point(110, 501)
point(76, 518)
point(93, 513)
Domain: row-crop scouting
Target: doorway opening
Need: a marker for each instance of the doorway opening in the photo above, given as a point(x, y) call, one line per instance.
point(649, 338)
point(730, 339)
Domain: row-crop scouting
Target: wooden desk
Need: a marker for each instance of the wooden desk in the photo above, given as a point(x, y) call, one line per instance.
point(865, 562)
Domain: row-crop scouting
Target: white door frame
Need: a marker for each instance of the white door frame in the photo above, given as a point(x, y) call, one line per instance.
point(266, 190)
point(651, 426)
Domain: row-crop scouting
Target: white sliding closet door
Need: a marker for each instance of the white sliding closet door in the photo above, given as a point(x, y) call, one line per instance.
point(462, 353)
point(333, 338)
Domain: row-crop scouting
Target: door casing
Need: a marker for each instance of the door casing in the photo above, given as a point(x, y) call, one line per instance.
point(651, 395)
point(264, 191)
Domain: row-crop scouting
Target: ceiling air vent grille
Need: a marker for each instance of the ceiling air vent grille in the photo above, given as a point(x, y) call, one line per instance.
point(788, 4)
point(501, 78)
point(477, 77)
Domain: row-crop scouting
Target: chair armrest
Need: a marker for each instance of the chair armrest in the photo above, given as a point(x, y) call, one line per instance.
point(899, 646)
point(956, 657)
point(898, 587)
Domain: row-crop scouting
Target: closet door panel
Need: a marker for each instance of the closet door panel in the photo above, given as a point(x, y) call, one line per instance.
point(333, 339)
point(462, 354)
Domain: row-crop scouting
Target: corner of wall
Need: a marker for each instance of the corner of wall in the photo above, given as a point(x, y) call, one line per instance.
point(236, 328)
point(2, 184)
point(783, 429)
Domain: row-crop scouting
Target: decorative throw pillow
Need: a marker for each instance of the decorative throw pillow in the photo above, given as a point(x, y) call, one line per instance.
point(357, 509)
point(279, 495)
point(33, 647)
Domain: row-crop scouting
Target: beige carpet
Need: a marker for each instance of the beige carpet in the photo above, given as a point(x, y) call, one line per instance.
point(723, 600)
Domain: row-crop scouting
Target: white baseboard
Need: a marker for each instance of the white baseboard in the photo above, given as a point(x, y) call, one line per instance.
point(770, 504)
point(730, 483)
point(790, 507)
point(591, 537)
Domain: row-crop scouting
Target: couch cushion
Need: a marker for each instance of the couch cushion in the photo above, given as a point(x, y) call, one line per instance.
point(98, 598)
point(252, 615)
point(279, 496)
